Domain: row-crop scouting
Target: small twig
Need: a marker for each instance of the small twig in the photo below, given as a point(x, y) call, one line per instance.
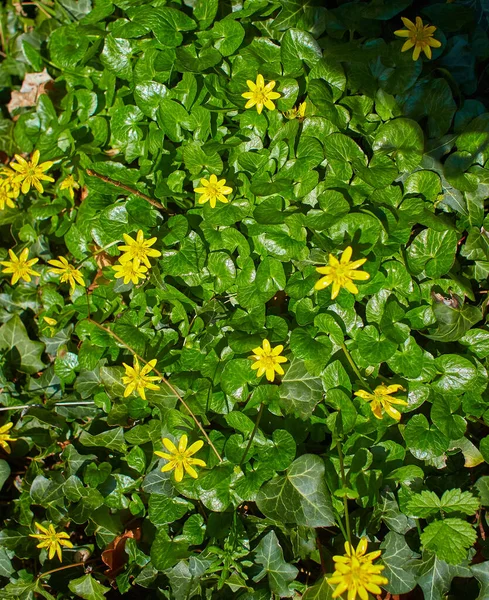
point(255, 429)
point(127, 189)
point(86, 403)
point(165, 381)
point(80, 564)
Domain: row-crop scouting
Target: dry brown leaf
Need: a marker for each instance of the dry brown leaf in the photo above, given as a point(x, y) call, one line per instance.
point(114, 556)
point(33, 86)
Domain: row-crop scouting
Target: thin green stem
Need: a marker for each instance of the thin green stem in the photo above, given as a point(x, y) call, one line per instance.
point(99, 251)
point(354, 366)
point(79, 564)
point(255, 429)
point(344, 484)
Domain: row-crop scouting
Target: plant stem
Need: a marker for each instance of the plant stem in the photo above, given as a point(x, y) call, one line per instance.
point(344, 484)
point(23, 406)
point(99, 251)
point(127, 189)
point(255, 429)
point(354, 366)
point(79, 564)
point(165, 381)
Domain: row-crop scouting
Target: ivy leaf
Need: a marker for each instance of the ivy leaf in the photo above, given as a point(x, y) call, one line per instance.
point(88, 588)
point(435, 576)
point(13, 334)
point(449, 539)
point(426, 504)
point(300, 391)
point(400, 564)
point(269, 554)
point(322, 590)
point(300, 496)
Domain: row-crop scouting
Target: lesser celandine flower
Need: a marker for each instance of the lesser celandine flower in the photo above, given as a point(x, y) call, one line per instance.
point(213, 189)
point(6, 197)
point(70, 184)
point(68, 272)
point(420, 37)
point(138, 249)
point(20, 266)
point(260, 94)
point(30, 173)
point(267, 360)
point(382, 399)
point(7, 180)
point(356, 574)
point(52, 540)
point(131, 271)
point(50, 321)
point(137, 378)
point(181, 458)
point(297, 113)
point(341, 273)
point(5, 437)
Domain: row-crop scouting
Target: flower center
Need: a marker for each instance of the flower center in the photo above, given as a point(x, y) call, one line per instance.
point(260, 96)
point(267, 361)
point(212, 190)
point(340, 273)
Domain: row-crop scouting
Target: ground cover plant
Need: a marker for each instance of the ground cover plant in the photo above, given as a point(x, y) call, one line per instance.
point(244, 260)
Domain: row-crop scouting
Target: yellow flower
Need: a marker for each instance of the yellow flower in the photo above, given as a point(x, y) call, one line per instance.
point(213, 190)
point(30, 173)
point(131, 271)
point(20, 267)
point(180, 458)
point(260, 94)
point(420, 37)
point(138, 249)
point(341, 273)
point(6, 197)
point(67, 272)
point(356, 572)
point(267, 360)
point(297, 113)
point(71, 185)
point(381, 399)
point(7, 177)
point(5, 437)
point(138, 379)
point(52, 540)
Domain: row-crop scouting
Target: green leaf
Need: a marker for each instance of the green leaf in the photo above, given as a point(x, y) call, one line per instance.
point(300, 496)
point(300, 392)
point(269, 554)
point(453, 426)
point(88, 588)
point(435, 576)
point(433, 252)
point(164, 510)
point(423, 441)
point(4, 472)
point(113, 439)
point(13, 334)
point(457, 374)
point(374, 346)
point(322, 590)
point(449, 539)
point(228, 36)
point(404, 139)
point(426, 504)
point(453, 319)
point(400, 566)
point(298, 46)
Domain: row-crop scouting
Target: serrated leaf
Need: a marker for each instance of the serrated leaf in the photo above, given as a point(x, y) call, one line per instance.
point(449, 539)
point(426, 504)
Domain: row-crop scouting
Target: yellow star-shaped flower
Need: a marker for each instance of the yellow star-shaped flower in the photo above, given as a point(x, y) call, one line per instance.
point(341, 273)
point(20, 266)
point(260, 94)
point(6, 197)
point(138, 249)
point(52, 540)
point(137, 378)
point(68, 272)
point(30, 173)
point(267, 360)
point(131, 271)
point(356, 573)
point(70, 184)
point(420, 37)
point(381, 400)
point(213, 190)
point(181, 458)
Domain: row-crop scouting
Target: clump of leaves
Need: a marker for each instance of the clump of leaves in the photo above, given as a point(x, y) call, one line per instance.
point(249, 237)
